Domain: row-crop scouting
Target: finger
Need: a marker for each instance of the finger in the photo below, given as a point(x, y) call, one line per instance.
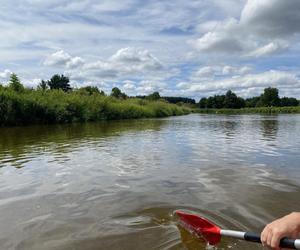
point(275, 241)
point(264, 236)
point(269, 238)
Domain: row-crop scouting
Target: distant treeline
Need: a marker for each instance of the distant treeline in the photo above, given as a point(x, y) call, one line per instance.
point(54, 101)
point(170, 99)
point(270, 98)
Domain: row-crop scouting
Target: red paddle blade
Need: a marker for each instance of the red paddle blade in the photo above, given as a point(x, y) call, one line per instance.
point(201, 226)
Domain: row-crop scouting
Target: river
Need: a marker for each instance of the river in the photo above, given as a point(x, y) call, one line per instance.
point(115, 185)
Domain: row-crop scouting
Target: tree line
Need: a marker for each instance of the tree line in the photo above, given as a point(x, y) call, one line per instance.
point(269, 98)
point(54, 101)
point(61, 82)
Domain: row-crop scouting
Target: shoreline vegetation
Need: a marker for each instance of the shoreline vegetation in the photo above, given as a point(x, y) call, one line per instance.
point(268, 102)
point(258, 110)
point(55, 101)
point(61, 104)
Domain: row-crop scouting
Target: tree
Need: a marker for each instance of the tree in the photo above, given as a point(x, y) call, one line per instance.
point(217, 101)
point(270, 97)
point(15, 84)
point(59, 82)
point(42, 85)
point(116, 92)
point(172, 99)
point(288, 101)
point(203, 103)
point(230, 100)
point(252, 102)
point(154, 96)
point(90, 90)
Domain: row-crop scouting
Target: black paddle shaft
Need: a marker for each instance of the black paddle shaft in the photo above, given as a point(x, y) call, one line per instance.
point(284, 243)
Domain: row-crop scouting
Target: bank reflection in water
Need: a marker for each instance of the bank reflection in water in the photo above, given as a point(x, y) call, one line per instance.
point(115, 185)
point(269, 128)
point(20, 144)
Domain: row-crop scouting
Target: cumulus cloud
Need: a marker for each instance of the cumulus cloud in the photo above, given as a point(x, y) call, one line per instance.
point(61, 58)
point(138, 59)
point(269, 49)
point(230, 70)
point(223, 39)
point(4, 76)
point(125, 62)
point(272, 18)
point(207, 73)
point(147, 87)
point(283, 80)
point(261, 21)
point(111, 42)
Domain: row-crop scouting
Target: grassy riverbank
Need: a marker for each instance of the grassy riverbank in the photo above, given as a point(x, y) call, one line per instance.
point(260, 110)
point(56, 106)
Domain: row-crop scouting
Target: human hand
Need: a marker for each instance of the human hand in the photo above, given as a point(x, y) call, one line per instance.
point(287, 226)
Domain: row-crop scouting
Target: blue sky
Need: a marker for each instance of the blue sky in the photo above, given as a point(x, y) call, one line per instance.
point(189, 48)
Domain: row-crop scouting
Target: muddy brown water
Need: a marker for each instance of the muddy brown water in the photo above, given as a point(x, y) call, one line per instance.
point(115, 185)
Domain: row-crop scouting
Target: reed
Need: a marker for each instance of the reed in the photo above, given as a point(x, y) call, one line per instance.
point(57, 106)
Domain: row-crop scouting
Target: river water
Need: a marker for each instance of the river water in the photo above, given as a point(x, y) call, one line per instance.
point(115, 185)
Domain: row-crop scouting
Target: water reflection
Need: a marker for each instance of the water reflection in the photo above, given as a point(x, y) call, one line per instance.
point(269, 128)
point(20, 145)
point(116, 185)
point(229, 127)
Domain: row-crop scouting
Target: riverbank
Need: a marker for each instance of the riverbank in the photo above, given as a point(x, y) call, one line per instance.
point(56, 106)
point(260, 110)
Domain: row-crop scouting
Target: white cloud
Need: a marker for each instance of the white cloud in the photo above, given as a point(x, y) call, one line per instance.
point(4, 76)
point(272, 18)
point(61, 58)
point(129, 85)
point(134, 62)
point(205, 72)
point(147, 87)
point(285, 81)
point(230, 70)
point(119, 40)
point(269, 49)
point(223, 39)
point(261, 21)
point(208, 73)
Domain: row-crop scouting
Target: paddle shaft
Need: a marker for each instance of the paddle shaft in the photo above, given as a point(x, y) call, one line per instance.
point(284, 243)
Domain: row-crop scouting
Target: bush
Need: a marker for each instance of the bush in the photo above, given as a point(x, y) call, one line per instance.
point(57, 106)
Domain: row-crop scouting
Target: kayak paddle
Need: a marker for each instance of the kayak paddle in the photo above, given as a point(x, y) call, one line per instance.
point(212, 233)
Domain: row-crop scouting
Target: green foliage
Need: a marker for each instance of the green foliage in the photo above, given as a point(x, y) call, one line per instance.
point(57, 106)
point(15, 84)
point(42, 85)
point(231, 101)
point(252, 102)
point(154, 96)
point(288, 102)
point(216, 101)
point(91, 90)
point(270, 98)
point(59, 82)
point(172, 99)
point(258, 110)
point(176, 100)
point(117, 93)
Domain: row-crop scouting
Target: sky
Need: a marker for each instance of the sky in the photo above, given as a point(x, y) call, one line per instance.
point(193, 48)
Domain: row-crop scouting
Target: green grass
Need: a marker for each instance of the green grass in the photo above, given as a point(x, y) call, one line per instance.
point(56, 106)
point(260, 110)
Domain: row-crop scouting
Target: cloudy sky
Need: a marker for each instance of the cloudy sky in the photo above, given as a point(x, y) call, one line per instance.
point(191, 48)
